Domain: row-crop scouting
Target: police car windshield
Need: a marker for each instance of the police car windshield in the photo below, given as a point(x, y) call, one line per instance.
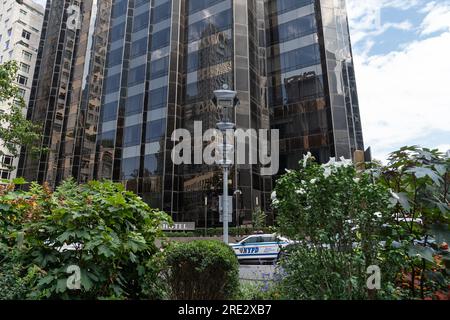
point(259, 239)
point(253, 240)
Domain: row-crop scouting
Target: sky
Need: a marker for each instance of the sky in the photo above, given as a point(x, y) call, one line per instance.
point(402, 58)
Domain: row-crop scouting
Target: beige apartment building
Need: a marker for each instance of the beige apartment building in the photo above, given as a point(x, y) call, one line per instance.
point(20, 31)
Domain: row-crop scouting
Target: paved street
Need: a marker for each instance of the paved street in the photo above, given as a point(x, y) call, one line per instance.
point(256, 272)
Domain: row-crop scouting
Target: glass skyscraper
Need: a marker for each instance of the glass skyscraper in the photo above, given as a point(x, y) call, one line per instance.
point(110, 93)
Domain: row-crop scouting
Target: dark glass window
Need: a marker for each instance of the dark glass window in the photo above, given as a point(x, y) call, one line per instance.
point(107, 139)
point(118, 32)
point(280, 6)
point(119, 8)
point(130, 168)
point(296, 59)
point(109, 111)
point(211, 25)
point(159, 67)
point(293, 29)
point(136, 75)
point(138, 3)
point(141, 21)
point(112, 83)
point(162, 12)
point(197, 5)
point(150, 165)
point(132, 136)
point(161, 39)
point(139, 48)
point(155, 130)
point(157, 98)
point(134, 105)
point(115, 57)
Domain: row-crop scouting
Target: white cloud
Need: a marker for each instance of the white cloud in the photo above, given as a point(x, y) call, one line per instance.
point(404, 94)
point(437, 19)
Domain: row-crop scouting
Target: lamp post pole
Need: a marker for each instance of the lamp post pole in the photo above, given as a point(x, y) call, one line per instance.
point(206, 215)
point(237, 193)
point(227, 100)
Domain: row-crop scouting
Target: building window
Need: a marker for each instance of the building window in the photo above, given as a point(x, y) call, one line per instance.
point(5, 174)
point(27, 55)
point(26, 34)
point(7, 161)
point(155, 130)
point(22, 80)
point(132, 136)
point(24, 67)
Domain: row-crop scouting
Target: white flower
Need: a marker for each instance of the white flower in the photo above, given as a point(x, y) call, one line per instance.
point(395, 195)
point(356, 180)
point(288, 171)
point(378, 214)
point(313, 181)
point(274, 196)
point(306, 158)
point(300, 191)
point(345, 162)
point(327, 172)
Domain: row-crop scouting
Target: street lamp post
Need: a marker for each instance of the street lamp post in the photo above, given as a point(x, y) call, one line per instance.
point(237, 194)
point(206, 215)
point(226, 99)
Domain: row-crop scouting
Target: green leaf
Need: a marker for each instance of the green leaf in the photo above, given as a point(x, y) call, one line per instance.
point(440, 233)
point(422, 252)
point(46, 280)
point(104, 250)
point(61, 286)
point(86, 282)
point(421, 172)
point(19, 181)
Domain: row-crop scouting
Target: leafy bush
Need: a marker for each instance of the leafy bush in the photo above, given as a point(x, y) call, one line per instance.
point(338, 215)
point(202, 270)
point(259, 218)
point(259, 291)
point(419, 181)
point(105, 231)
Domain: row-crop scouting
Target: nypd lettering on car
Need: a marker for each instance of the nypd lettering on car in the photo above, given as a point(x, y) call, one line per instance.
point(260, 247)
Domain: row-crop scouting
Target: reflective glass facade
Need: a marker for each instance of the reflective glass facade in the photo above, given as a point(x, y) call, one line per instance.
point(312, 87)
point(110, 94)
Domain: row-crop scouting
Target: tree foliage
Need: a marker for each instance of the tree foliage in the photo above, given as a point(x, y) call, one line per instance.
point(419, 181)
point(337, 214)
point(15, 130)
point(107, 232)
point(394, 216)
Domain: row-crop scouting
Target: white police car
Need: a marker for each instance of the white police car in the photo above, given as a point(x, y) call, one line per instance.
point(260, 247)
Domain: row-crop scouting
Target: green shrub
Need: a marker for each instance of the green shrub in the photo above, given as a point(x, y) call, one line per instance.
point(252, 290)
point(111, 235)
point(338, 215)
point(202, 270)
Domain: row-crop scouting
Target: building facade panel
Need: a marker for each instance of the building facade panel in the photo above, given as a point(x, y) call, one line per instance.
point(116, 89)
